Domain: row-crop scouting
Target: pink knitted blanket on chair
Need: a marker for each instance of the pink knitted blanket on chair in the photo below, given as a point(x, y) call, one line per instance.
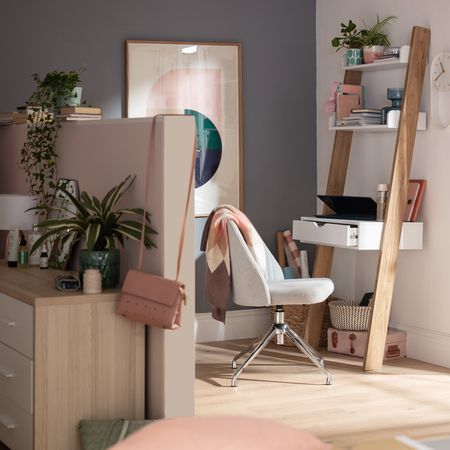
point(215, 243)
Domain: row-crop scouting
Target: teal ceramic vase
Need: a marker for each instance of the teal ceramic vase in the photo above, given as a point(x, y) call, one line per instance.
point(70, 100)
point(108, 262)
point(354, 56)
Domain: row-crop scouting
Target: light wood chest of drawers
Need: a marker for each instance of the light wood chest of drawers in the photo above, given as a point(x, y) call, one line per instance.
point(63, 357)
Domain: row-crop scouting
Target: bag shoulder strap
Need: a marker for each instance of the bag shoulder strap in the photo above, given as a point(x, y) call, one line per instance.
point(123, 431)
point(188, 197)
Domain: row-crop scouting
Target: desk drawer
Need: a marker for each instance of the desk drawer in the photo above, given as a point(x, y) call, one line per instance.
point(16, 426)
point(332, 234)
point(16, 377)
point(16, 325)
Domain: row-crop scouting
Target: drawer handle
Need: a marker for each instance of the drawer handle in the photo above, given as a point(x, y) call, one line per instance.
point(7, 322)
point(5, 374)
point(7, 422)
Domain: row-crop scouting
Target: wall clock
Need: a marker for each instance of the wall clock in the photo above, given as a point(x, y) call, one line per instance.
point(440, 90)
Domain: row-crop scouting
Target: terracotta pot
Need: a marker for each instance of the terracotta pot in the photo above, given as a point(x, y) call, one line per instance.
point(372, 53)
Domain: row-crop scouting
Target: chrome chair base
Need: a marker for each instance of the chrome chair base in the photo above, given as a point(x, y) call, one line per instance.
point(280, 329)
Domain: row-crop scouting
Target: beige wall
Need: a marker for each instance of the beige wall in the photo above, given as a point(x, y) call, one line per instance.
point(100, 155)
point(421, 300)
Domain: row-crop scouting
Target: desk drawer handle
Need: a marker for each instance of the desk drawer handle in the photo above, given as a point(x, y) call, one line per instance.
point(7, 322)
point(6, 374)
point(7, 422)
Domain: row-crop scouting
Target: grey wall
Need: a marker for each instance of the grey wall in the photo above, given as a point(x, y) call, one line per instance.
point(278, 39)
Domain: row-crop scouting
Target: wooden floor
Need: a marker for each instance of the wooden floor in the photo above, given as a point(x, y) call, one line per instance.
point(407, 397)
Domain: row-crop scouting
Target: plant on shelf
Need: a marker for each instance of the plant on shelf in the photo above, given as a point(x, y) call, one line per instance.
point(374, 39)
point(349, 39)
point(38, 154)
point(101, 225)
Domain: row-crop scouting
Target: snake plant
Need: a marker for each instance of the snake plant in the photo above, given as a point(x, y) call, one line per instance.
point(99, 223)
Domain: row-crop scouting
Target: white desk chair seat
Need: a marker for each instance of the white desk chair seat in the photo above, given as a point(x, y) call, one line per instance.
point(256, 288)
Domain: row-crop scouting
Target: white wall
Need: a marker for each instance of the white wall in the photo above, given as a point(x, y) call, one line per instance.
point(421, 303)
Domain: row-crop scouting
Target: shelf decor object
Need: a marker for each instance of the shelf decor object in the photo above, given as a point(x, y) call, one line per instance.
point(203, 80)
point(393, 224)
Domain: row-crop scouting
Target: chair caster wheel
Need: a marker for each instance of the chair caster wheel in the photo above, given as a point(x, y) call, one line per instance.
point(329, 381)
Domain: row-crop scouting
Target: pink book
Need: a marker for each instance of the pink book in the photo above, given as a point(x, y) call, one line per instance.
point(413, 191)
point(416, 208)
point(345, 103)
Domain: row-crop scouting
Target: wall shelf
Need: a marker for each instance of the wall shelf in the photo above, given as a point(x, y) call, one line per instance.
point(421, 125)
point(376, 67)
point(391, 64)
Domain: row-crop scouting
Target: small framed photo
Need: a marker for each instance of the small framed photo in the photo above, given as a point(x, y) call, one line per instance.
point(60, 251)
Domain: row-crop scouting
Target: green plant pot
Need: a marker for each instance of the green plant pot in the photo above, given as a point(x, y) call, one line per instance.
point(72, 100)
point(108, 262)
point(354, 56)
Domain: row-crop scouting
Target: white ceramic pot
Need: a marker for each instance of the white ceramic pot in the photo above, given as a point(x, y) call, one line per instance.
point(372, 53)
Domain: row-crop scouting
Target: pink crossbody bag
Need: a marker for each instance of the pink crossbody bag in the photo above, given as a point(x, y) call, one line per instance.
point(149, 298)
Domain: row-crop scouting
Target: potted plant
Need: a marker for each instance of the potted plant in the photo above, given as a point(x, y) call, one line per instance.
point(374, 40)
point(101, 225)
point(38, 154)
point(349, 39)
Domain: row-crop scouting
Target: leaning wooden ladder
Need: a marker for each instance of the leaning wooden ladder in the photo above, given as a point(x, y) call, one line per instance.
point(390, 241)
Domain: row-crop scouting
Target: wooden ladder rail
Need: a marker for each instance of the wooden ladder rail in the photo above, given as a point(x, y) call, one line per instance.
point(394, 213)
point(335, 186)
point(392, 229)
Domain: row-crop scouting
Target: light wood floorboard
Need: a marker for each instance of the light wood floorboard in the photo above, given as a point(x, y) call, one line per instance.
point(407, 396)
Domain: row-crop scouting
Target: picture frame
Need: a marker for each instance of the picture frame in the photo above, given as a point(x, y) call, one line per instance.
point(61, 249)
point(202, 79)
point(422, 184)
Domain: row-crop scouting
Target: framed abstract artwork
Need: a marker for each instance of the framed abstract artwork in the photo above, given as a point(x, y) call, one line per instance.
point(203, 80)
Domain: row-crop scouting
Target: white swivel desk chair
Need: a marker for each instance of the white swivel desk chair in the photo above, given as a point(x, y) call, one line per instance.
point(253, 288)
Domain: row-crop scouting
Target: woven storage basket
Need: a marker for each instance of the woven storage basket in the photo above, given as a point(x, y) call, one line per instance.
point(348, 315)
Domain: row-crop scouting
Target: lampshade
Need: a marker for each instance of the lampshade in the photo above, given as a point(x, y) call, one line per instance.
point(13, 212)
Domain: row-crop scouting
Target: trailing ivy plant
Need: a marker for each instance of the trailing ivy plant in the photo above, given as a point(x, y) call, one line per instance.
point(38, 155)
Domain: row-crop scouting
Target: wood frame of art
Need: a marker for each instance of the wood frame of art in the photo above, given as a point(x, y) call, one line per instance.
point(202, 79)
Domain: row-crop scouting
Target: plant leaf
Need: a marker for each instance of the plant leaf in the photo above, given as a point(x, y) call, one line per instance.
point(114, 195)
point(92, 233)
point(62, 223)
point(75, 201)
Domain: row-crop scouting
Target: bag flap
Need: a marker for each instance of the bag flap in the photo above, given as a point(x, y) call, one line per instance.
point(152, 287)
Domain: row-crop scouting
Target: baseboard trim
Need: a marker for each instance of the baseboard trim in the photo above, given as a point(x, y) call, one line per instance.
point(426, 345)
point(241, 324)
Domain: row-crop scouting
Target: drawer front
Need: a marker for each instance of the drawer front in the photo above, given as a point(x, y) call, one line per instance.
point(16, 325)
point(332, 234)
point(16, 377)
point(16, 426)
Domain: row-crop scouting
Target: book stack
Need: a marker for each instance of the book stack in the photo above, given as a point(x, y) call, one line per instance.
point(390, 54)
point(21, 115)
point(385, 58)
point(77, 113)
point(6, 118)
point(361, 116)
